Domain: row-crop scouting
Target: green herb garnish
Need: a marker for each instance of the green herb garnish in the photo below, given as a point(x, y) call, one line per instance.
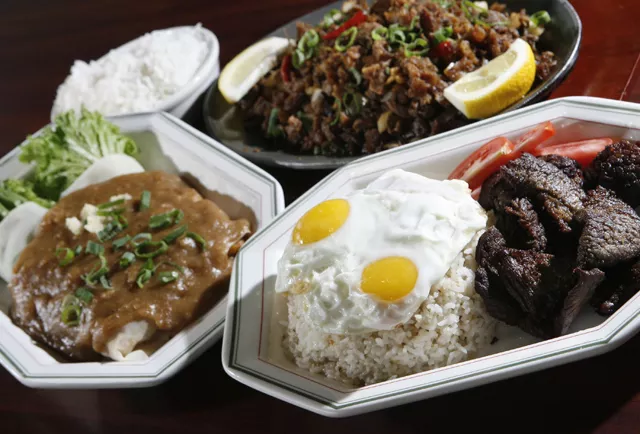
point(160, 221)
point(273, 129)
point(84, 294)
point(94, 248)
point(175, 234)
point(143, 250)
point(65, 256)
point(145, 200)
point(540, 18)
point(442, 34)
point(346, 39)
point(380, 33)
point(121, 242)
point(92, 278)
point(140, 239)
point(168, 276)
point(198, 239)
point(127, 259)
point(111, 204)
point(419, 47)
point(145, 273)
point(352, 103)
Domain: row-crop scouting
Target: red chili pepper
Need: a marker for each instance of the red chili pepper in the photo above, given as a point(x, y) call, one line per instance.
point(358, 18)
point(285, 68)
point(444, 49)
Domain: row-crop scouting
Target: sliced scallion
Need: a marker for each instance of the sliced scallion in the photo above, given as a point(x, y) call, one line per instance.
point(352, 103)
point(110, 212)
point(160, 221)
point(331, 17)
point(141, 238)
point(93, 277)
point(65, 256)
point(121, 242)
point(145, 273)
point(356, 75)
point(396, 34)
point(273, 129)
point(297, 59)
point(346, 39)
point(175, 234)
point(336, 119)
point(94, 248)
point(84, 294)
point(540, 18)
point(198, 239)
point(105, 282)
point(442, 34)
point(71, 314)
point(127, 259)
point(380, 33)
point(145, 200)
point(78, 250)
point(168, 276)
point(144, 250)
point(419, 47)
point(111, 204)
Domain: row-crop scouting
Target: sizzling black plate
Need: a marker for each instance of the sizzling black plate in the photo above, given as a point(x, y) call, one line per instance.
point(223, 123)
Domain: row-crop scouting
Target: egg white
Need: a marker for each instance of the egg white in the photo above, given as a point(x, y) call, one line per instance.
point(398, 214)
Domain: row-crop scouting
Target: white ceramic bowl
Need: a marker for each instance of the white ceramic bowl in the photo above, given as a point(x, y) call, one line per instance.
point(252, 357)
point(180, 102)
point(237, 186)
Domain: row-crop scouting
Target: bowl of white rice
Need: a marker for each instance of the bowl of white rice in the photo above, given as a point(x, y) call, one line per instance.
point(163, 70)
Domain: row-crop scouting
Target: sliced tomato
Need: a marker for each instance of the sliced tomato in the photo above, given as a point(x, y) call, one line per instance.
point(583, 151)
point(534, 138)
point(476, 193)
point(484, 161)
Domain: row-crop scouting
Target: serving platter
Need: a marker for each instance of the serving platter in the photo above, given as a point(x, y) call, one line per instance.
point(223, 121)
point(237, 186)
point(251, 351)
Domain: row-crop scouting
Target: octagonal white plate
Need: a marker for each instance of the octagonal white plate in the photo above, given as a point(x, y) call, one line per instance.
point(240, 188)
point(251, 350)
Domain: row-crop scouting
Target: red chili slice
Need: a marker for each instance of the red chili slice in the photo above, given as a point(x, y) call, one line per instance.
point(358, 18)
point(285, 68)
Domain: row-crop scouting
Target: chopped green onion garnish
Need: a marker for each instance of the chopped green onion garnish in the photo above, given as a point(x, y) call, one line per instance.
point(175, 234)
point(297, 59)
point(540, 18)
point(142, 250)
point(168, 276)
point(197, 238)
point(65, 256)
point(84, 294)
point(308, 42)
point(121, 242)
point(352, 103)
point(356, 76)
point(273, 129)
point(442, 34)
point(331, 17)
point(78, 250)
point(346, 39)
point(142, 237)
point(396, 34)
point(380, 33)
point(110, 212)
point(112, 228)
point(71, 314)
point(414, 23)
point(419, 47)
point(145, 273)
point(111, 204)
point(94, 248)
point(338, 112)
point(127, 259)
point(98, 271)
point(104, 281)
point(160, 221)
point(145, 200)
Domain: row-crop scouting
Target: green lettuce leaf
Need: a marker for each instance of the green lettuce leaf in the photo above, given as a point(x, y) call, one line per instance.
point(14, 192)
point(62, 152)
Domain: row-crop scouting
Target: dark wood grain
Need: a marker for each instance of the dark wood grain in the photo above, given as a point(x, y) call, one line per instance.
point(41, 39)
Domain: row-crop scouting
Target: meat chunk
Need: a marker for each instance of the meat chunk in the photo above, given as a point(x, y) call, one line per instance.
point(587, 282)
point(521, 226)
point(611, 232)
point(618, 168)
point(538, 292)
point(622, 283)
point(569, 167)
point(548, 188)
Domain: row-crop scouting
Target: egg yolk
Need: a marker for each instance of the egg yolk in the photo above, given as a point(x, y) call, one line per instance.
point(390, 279)
point(321, 221)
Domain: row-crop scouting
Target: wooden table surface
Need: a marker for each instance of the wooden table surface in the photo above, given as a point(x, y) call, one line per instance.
point(39, 41)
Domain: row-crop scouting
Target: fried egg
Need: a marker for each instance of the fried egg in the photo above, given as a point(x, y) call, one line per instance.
point(366, 261)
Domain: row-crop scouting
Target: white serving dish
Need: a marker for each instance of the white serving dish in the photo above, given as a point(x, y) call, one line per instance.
point(240, 188)
point(180, 102)
point(249, 356)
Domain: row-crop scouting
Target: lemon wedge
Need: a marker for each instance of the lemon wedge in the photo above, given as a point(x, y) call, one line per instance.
point(248, 67)
point(496, 85)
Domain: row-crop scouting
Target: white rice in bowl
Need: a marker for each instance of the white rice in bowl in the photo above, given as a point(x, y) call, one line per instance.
point(451, 326)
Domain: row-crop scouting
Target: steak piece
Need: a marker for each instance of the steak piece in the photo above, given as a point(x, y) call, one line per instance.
point(611, 232)
point(521, 226)
point(569, 167)
point(622, 283)
point(548, 188)
point(535, 291)
point(587, 282)
point(618, 168)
